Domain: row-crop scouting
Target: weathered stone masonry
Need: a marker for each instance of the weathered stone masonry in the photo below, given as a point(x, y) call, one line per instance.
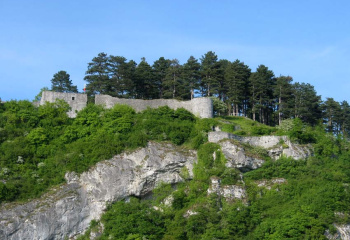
point(77, 101)
point(200, 107)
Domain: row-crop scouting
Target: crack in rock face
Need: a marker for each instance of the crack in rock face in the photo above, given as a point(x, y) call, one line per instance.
point(67, 210)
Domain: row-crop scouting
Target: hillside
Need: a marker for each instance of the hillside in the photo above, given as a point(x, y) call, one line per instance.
point(252, 194)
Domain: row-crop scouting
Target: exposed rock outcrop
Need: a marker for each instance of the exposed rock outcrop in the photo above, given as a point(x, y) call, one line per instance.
point(237, 158)
point(269, 183)
point(276, 146)
point(67, 210)
point(343, 232)
point(229, 192)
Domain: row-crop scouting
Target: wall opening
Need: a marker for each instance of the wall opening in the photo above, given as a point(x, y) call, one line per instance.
point(73, 98)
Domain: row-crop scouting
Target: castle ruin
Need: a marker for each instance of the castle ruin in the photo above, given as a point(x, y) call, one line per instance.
point(200, 107)
point(77, 101)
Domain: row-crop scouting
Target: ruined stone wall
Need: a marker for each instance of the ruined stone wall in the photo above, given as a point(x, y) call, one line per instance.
point(77, 101)
point(200, 107)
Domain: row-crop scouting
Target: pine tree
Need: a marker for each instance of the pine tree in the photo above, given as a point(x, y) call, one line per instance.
point(237, 84)
point(209, 74)
point(97, 76)
point(331, 114)
point(191, 75)
point(116, 68)
point(160, 68)
point(173, 87)
point(261, 87)
point(284, 94)
point(145, 84)
point(61, 83)
point(306, 103)
point(221, 67)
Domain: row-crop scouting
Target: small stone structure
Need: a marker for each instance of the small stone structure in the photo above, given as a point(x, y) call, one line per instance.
point(77, 101)
point(200, 107)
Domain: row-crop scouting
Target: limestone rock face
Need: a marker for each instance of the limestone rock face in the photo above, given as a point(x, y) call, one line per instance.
point(67, 210)
point(276, 146)
point(237, 158)
point(343, 232)
point(229, 192)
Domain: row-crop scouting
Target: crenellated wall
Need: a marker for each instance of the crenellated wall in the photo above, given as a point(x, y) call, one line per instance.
point(200, 107)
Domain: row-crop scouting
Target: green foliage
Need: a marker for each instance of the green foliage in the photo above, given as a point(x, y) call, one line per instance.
point(48, 143)
point(132, 220)
point(245, 127)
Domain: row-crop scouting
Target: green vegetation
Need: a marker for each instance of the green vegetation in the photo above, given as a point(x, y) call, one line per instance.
point(303, 206)
point(39, 145)
point(244, 126)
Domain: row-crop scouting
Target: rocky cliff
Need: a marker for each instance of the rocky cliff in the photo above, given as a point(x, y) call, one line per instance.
point(67, 210)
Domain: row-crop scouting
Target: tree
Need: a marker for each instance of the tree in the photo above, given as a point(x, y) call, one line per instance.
point(61, 83)
point(344, 118)
point(284, 93)
point(332, 114)
point(306, 103)
point(236, 85)
point(173, 85)
point(116, 65)
point(97, 76)
point(208, 72)
point(191, 74)
point(160, 68)
point(221, 68)
point(145, 84)
point(261, 87)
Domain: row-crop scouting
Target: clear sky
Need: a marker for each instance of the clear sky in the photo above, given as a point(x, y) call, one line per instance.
point(306, 39)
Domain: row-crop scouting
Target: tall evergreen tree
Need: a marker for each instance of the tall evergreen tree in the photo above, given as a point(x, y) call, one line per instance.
point(284, 94)
point(332, 114)
point(160, 68)
point(261, 87)
point(221, 67)
point(145, 84)
point(173, 87)
point(191, 75)
point(209, 74)
point(61, 83)
point(306, 103)
point(344, 118)
point(97, 76)
point(116, 71)
point(237, 86)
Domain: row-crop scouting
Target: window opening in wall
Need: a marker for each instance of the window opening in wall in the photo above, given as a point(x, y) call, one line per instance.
point(73, 98)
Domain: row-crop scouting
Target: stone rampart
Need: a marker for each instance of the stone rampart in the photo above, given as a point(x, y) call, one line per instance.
point(77, 101)
point(200, 107)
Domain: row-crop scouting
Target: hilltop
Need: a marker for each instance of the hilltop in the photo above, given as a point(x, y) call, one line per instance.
point(227, 189)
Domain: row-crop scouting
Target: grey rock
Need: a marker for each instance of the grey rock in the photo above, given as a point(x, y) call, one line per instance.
point(276, 146)
point(237, 158)
point(67, 211)
point(229, 192)
point(343, 232)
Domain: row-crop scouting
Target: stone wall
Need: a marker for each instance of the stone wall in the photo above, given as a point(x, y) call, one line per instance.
point(77, 101)
point(200, 107)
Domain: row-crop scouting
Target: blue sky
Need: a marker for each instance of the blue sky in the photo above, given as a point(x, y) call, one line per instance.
point(308, 40)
